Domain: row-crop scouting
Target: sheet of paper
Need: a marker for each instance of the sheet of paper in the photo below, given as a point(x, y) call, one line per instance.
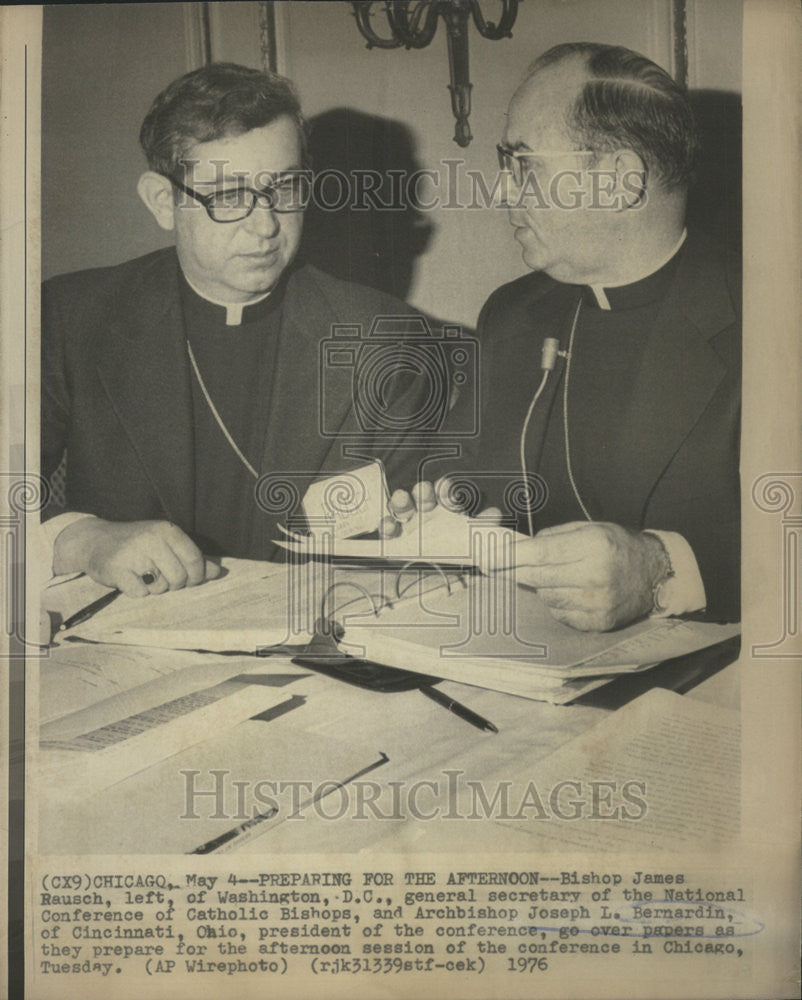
point(682, 760)
point(186, 801)
point(191, 672)
point(668, 638)
point(95, 759)
point(430, 747)
point(76, 675)
point(351, 503)
point(250, 595)
point(441, 536)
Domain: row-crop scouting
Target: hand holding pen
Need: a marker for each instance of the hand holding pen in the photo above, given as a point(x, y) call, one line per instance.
point(85, 613)
point(135, 557)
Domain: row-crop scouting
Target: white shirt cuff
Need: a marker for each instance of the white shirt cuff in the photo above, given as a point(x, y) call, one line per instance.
point(46, 540)
point(684, 591)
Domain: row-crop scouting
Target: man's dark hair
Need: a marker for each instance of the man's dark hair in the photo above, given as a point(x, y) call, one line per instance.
point(630, 101)
point(214, 102)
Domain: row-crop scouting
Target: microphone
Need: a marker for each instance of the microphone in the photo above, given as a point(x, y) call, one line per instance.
point(549, 353)
point(548, 359)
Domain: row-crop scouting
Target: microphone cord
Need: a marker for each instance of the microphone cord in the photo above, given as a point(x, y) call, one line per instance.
point(565, 414)
point(527, 498)
point(548, 360)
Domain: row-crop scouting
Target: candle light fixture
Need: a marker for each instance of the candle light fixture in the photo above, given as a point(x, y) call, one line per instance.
point(413, 24)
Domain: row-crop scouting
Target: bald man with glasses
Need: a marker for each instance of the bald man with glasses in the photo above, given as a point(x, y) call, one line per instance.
point(611, 373)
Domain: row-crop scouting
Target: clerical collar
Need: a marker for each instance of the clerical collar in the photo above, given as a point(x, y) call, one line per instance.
point(236, 313)
point(631, 293)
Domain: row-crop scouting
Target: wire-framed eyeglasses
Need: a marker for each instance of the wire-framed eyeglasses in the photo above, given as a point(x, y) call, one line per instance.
point(288, 192)
point(515, 160)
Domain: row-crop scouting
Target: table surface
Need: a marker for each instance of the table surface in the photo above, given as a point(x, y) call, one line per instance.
point(340, 725)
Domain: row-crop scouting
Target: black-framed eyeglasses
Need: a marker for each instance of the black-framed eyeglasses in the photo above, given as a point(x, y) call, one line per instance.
point(515, 160)
point(288, 192)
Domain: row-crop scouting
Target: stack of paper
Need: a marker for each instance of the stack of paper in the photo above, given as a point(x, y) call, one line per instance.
point(253, 605)
point(480, 630)
point(495, 635)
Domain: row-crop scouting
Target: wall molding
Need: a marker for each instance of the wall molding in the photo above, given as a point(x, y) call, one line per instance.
point(197, 39)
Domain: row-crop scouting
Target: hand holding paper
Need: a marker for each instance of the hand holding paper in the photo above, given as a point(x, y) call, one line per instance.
point(593, 576)
point(417, 528)
point(425, 497)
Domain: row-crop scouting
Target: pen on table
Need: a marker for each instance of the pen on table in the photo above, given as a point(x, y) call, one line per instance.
point(459, 710)
point(91, 609)
point(235, 832)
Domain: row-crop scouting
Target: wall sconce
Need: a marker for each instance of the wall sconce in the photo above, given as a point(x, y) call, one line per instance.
point(413, 23)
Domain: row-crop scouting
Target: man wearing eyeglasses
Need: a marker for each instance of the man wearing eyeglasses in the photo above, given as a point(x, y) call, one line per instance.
point(175, 381)
point(612, 373)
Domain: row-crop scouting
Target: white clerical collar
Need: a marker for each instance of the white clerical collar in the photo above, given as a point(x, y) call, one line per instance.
point(233, 309)
point(599, 289)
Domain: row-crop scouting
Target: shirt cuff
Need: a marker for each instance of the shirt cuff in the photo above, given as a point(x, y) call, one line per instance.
point(684, 591)
point(46, 540)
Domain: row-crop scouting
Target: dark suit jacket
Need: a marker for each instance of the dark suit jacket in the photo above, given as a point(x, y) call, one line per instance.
point(678, 453)
point(117, 391)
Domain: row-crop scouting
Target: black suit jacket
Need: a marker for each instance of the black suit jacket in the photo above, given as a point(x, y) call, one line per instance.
point(678, 452)
point(117, 391)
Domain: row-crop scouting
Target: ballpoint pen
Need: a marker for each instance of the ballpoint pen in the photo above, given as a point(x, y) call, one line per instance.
point(235, 832)
point(459, 710)
point(250, 828)
point(91, 609)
